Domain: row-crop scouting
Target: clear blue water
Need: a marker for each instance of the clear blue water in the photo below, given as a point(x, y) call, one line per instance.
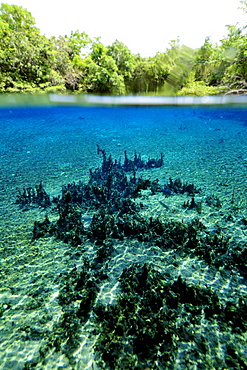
point(45, 138)
point(203, 145)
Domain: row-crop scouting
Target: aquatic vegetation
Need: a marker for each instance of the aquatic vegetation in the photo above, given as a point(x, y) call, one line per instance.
point(108, 188)
point(33, 196)
point(192, 204)
point(174, 187)
point(78, 285)
point(110, 197)
point(213, 201)
point(155, 317)
point(179, 188)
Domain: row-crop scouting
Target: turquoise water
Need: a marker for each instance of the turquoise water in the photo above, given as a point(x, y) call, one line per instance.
point(46, 139)
point(101, 286)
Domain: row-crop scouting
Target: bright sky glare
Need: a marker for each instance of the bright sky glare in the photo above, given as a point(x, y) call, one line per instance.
point(145, 27)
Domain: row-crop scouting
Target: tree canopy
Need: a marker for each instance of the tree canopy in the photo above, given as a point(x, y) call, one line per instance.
point(31, 62)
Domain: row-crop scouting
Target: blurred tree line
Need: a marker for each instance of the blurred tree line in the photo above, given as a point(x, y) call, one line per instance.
point(31, 62)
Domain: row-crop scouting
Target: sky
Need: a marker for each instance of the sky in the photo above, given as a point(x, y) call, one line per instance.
point(144, 26)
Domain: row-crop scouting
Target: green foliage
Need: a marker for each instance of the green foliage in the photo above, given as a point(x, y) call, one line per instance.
point(202, 61)
point(224, 65)
point(199, 88)
point(77, 42)
point(125, 61)
point(100, 73)
point(16, 18)
point(149, 74)
point(62, 71)
point(235, 76)
point(24, 62)
point(30, 62)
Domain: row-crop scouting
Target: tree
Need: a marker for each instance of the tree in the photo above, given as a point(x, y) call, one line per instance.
point(202, 62)
point(126, 62)
point(64, 67)
point(77, 43)
point(235, 76)
point(18, 19)
point(24, 52)
point(149, 74)
point(100, 73)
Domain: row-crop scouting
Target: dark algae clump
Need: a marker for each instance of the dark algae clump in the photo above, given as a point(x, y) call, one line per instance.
point(158, 318)
point(33, 196)
point(151, 318)
point(108, 192)
point(154, 320)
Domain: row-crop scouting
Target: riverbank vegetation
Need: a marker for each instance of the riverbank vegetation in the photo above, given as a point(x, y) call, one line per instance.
point(32, 63)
